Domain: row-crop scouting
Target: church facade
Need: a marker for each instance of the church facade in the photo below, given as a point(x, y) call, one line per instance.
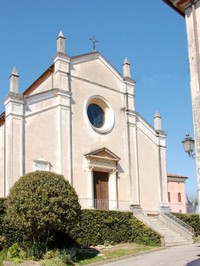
point(79, 119)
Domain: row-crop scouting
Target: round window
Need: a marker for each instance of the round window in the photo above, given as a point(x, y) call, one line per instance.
point(100, 114)
point(96, 115)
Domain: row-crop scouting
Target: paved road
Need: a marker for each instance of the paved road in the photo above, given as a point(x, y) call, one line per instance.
point(173, 256)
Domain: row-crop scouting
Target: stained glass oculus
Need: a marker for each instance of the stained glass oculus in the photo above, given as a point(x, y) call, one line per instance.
point(96, 115)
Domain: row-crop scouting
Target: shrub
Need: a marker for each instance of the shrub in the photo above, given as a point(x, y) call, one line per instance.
point(142, 234)
point(190, 219)
point(2, 207)
point(41, 203)
point(13, 251)
point(99, 227)
point(58, 258)
point(11, 234)
point(2, 214)
point(3, 256)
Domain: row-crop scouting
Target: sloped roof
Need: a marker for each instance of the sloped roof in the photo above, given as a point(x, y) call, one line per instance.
point(2, 118)
point(38, 81)
point(177, 176)
point(179, 5)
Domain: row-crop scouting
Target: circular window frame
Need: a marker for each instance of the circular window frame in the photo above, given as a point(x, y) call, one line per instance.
point(108, 114)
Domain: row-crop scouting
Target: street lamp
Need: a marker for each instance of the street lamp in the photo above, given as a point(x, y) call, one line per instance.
point(188, 145)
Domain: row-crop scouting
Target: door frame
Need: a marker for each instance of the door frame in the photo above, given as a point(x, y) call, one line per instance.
point(101, 192)
point(102, 160)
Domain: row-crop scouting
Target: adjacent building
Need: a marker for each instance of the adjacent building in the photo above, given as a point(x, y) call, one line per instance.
point(176, 192)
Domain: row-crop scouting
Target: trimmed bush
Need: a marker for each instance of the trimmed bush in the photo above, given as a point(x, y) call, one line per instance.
point(99, 227)
point(142, 234)
point(8, 233)
point(2, 214)
point(40, 204)
point(190, 219)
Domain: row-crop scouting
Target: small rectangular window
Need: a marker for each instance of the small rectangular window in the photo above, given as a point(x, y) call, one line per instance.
point(179, 197)
point(169, 197)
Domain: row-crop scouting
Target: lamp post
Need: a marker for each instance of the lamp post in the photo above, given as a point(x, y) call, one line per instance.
point(188, 145)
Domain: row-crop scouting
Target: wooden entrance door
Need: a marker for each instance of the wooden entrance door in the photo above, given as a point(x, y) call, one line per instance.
point(101, 196)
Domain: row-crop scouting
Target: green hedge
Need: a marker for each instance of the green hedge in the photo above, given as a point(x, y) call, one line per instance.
point(100, 227)
point(191, 219)
point(2, 213)
point(94, 228)
point(142, 234)
point(10, 234)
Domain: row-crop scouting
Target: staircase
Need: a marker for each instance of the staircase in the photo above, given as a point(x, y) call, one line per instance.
point(174, 231)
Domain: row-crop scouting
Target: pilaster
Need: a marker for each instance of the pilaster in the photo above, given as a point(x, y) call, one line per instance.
point(132, 136)
point(192, 17)
point(90, 188)
point(61, 81)
point(14, 138)
point(133, 159)
point(129, 86)
point(164, 205)
point(113, 190)
point(61, 65)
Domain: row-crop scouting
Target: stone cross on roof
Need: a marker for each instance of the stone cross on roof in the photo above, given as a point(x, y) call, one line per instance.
point(94, 41)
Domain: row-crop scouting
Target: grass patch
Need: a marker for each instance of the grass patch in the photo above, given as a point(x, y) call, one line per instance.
point(90, 255)
point(104, 253)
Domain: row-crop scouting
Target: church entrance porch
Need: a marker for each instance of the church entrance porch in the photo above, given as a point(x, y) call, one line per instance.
point(102, 171)
point(101, 192)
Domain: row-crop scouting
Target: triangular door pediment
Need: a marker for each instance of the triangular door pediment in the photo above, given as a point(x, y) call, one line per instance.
point(103, 153)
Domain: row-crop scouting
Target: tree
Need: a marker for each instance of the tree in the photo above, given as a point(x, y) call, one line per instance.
point(41, 203)
point(191, 203)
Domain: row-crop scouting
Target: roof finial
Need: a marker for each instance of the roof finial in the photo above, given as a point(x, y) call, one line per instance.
point(94, 41)
point(61, 43)
point(14, 81)
point(157, 122)
point(126, 69)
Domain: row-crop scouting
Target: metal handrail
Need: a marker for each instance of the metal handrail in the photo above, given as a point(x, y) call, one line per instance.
point(179, 221)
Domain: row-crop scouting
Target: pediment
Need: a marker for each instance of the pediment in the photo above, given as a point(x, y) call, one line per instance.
point(103, 153)
point(96, 69)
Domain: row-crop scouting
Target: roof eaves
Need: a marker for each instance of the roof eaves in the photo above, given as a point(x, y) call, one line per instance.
point(169, 3)
point(177, 176)
point(2, 118)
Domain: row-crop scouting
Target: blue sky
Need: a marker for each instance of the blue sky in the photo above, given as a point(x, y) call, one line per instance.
point(150, 34)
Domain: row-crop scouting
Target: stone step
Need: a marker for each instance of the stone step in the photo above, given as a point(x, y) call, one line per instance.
point(172, 238)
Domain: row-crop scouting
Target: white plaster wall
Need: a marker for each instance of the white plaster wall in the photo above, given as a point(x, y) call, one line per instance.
point(41, 138)
point(98, 71)
point(16, 149)
point(46, 85)
point(85, 139)
point(2, 161)
point(192, 48)
point(148, 172)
